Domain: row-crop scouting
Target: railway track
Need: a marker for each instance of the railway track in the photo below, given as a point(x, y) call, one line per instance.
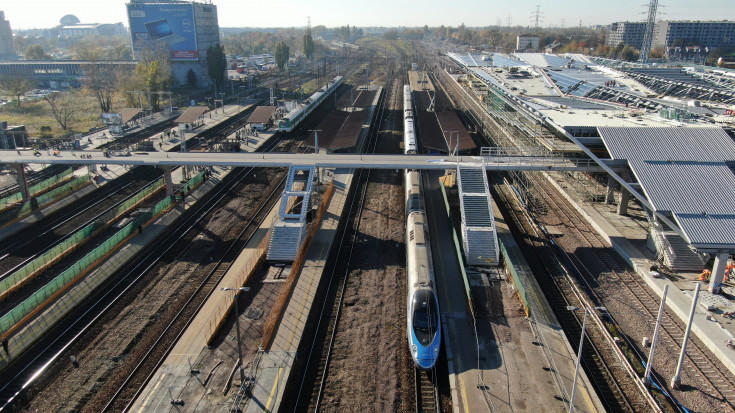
point(600, 363)
point(615, 382)
point(717, 383)
point(29, 367)
point(312, 386)
point(136, 381)
point(427, 392)
point(42, 235)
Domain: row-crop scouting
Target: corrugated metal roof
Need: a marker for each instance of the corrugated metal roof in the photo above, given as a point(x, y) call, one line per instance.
point(661, 144)
point(687, 187)
point(683, 171)
point(708, 229)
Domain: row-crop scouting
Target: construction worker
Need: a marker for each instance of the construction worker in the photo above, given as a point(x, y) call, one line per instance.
point(729, 270)
point(704, 276)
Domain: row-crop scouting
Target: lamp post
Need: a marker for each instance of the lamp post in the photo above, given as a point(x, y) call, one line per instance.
point(316, 139)
point(449, 143)
point(579, 353)
point(237, 328)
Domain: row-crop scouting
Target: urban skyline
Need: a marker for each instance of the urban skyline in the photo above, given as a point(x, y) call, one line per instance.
point(411, 13)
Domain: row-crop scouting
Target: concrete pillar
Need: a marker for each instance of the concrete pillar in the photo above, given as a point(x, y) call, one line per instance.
point(610, 196)
point(624, 195)
point(22, 181)
point(168, 180)
point(718, 273)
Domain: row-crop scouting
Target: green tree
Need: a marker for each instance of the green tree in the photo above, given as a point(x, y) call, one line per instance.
point(120, 52)
point(36, 52)
point(16, 85)
point(45, 132)
point(629, 53)
point(344, 33)
point(281, 55)
point(153, 81)
point(391, 34)
point(152, 74)
point(308, 44)
point(191, 78)
point(216, 65)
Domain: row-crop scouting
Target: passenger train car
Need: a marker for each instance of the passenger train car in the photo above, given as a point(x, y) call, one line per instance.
point(409, 136)
point(423, 323)
point(294, 117)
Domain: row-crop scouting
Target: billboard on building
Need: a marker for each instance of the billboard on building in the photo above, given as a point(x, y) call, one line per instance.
point(169, 25)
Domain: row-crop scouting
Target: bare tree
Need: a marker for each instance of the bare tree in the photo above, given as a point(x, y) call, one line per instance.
point(101, 81)
point(64, 107)
point(16, 85)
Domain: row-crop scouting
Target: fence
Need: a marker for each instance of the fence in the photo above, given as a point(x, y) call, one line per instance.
point(36, 266)
point(23, 312)
point(80, 287)
point(39, 188)
point(48, 197)
point(224, 302)
point(275, 315)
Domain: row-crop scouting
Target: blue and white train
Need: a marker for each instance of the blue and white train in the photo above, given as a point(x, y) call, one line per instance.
point(409, 136)
point(422, 306)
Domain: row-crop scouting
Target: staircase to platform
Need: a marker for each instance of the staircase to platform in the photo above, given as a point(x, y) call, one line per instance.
point(289, 229)
point(479, 236)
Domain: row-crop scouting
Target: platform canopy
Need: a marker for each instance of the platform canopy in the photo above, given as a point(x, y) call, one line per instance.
point(191, 114)
point(128, 114)
point(262, 114)
point(684, 172)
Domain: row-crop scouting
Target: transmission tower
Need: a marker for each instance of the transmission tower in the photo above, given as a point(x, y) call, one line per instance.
point(536, 16)
point(648, 36)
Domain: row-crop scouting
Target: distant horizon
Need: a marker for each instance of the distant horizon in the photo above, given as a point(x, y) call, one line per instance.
point(45, 14)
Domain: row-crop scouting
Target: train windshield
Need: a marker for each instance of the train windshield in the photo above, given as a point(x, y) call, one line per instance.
point(425, 316)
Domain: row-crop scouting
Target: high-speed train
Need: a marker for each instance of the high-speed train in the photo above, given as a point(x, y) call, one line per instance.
point(409, 137)
point(422, 306)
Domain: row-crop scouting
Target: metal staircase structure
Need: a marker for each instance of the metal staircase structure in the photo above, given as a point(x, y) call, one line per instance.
point(673, 249)
point(289, 230)
point(479, 236)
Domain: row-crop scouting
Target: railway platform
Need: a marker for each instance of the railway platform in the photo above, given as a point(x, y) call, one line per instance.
point(714, 323)
point(277, 361)
point(500, 362)
point(272, 365)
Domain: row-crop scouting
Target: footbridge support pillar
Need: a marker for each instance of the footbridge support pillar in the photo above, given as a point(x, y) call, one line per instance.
point(624, 195)
point(168, 180)
point(22, 181)
point(718, 272)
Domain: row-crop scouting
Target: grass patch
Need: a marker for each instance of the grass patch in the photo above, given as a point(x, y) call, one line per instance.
point(37, 112)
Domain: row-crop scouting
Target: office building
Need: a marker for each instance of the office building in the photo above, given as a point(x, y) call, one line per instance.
point(707, 34)
point(7, 48)
point(527, 42)
point(186, 29)
point(628, 33)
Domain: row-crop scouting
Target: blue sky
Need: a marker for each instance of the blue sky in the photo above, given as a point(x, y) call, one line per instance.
point(361, 13)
